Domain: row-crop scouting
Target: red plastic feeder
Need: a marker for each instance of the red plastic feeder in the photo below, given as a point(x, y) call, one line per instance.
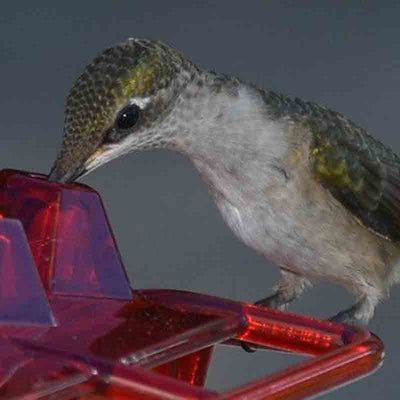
point(72, 328)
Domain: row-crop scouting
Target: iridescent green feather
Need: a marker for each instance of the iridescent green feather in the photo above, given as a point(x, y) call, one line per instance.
point(359, 171)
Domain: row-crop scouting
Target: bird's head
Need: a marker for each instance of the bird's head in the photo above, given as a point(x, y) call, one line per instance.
point(119, 104)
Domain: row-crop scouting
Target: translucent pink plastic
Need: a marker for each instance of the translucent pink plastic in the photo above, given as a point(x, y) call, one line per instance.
point(23, 298)
point(91, 338)
point(69, 235)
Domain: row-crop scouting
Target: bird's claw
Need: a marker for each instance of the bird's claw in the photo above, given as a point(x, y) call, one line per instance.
point(247, 348)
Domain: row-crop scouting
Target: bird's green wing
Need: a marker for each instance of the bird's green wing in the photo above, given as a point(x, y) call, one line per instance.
point(359, 172)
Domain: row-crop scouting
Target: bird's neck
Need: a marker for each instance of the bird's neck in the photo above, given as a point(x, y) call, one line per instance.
point(209, 110)
point(224, 122)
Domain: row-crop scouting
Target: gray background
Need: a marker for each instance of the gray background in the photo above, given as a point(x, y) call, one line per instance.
point(170, 234)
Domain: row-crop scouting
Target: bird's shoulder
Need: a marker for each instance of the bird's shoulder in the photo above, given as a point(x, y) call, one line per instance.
point(358, 170)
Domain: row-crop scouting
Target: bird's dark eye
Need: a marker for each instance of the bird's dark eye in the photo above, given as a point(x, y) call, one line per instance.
point(128, 117)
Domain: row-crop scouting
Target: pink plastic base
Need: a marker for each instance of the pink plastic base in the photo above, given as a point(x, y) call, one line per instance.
point(87, 337)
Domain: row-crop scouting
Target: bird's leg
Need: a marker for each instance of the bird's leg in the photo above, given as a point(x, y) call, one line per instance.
point(290, 287)
point(362, 311)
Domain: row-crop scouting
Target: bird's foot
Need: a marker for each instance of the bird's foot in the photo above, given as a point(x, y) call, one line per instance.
point(360, 312)
point(291, 286)
point(344, 317)
point(276, 301)
point(247, 348)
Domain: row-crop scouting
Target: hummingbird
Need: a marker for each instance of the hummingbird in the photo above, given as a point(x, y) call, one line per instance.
point(297, 182)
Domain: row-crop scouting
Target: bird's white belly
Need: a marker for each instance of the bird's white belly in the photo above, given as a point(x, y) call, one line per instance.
point(257, 231)
point(294, 238)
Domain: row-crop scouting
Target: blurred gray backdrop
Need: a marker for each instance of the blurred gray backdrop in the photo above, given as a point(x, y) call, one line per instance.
point(344, 54)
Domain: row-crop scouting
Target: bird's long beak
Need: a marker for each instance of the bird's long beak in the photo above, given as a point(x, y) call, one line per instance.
point(67, 169)
point(59, 174)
